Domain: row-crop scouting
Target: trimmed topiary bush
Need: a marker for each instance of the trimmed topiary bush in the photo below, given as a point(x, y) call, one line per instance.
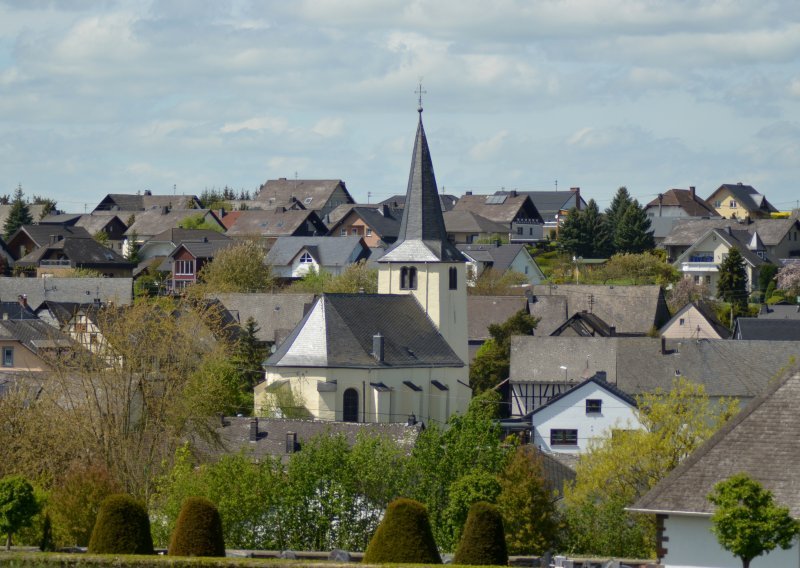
point(404, 535)
point(483, 540)
point(122, 527)
point(198, 531)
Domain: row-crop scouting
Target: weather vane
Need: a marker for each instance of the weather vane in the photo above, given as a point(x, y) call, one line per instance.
point(420, 92)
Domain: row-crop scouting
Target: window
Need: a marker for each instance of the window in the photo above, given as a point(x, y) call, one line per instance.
point(594, 406)
point(354, 231)
point(350, 406)
point(369, 232)
point(718, 203)
point(681, 321)
point(8, 356)
point(184, 267)
point(519, 230)
point(408, 278)
point(343, 232)
point(732, 204)
point(562, 437)
point(526, 269)
point(306, 259)
point(453, 278)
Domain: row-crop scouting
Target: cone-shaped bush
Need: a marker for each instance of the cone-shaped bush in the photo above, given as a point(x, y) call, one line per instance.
point(483, 540)
point(404, 535)
point(198, 531)
point(122, 527)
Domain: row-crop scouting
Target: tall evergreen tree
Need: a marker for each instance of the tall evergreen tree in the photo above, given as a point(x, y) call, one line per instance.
point(597, 230)
point(19, 214)
point(632, 232)
point(732, 283)
point(617, 209)
point(573, 235)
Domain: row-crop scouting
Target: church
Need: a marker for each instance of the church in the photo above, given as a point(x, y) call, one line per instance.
point(395, 356)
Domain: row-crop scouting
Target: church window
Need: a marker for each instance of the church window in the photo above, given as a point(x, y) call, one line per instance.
point(408, 278)
point(453, 278)
point(350, 406)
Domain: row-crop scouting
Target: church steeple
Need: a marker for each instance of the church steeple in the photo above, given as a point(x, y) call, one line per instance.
point(422, 236)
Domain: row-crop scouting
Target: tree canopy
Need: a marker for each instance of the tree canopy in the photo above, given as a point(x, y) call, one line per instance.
point(732, 283)
point(19, 215)
point(18, 505)
point(493, 360)
point(237, 268)
point(746, 520)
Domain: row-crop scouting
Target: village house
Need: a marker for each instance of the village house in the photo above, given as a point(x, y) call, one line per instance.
point(131, 202)
point(268, 225)
point(165, 242)
point(397, 355)
point(294, 257)
point(106, 227)
point(763, 441)
point(64, 254)
point(500, 259)
point(318, 195)
point(466, 227)
point(188, 259)
point(484, 311)
point(377, 226)
point(695, 320)
point(37, 291)
point(275, 315)
point(739, 201)
point(28, 238)
point(553, 206)
point(514, 210)
point(674, 204)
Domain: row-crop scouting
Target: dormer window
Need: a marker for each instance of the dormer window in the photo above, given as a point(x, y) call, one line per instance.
point(306, 259)
point(408, 278)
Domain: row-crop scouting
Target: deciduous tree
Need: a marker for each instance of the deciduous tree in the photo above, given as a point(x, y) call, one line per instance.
point(493, 360)
point(619, 469)
point(18, 505)
point(237, 268)
point(747, 522)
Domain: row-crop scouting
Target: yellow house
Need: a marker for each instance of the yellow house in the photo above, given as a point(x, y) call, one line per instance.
point(395, 356)
point(739, 201)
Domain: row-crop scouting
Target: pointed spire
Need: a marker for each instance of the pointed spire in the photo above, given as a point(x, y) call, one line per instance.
point(422, 236)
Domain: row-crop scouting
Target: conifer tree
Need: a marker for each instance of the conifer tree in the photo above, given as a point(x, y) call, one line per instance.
point(617, 209)
point(732, 283)
point(19, 214)
point(632, 232)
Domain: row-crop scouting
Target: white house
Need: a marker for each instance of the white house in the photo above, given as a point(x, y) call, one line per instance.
point(501, 258)
point(695, 320)
point(763, 440)
point(294, 257)
point(590, 411)
point(395, 356)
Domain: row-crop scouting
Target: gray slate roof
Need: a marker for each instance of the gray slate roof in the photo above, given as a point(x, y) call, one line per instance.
point(469, 222)
point(42, 234)
point(154, 221)
point(422, 236)
point(35, 210)
point(779, 311)
point(483, 311)
point(81, 252)
point(177, 235)
point(276, 314)
point(549, 203)
point(338, 331)
point(399, 201)
point(234, 435)
point(327, 251)
point(637, 365)
point(79, 290)
point(551, 312)
point(500, 257)
point(602, 383)
point(279, 192)
point(385, 223)
point(631, 309)
point(131, 202)
point(761, 329)
point(734, 239)
point(201, 249)
point(273, 223)
point(687, 231)
point(705, 310)
point(35, 334)
point(494, 207)
point(763, 440)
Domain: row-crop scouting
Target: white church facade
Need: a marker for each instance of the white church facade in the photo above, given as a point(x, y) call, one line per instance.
point(394, 356)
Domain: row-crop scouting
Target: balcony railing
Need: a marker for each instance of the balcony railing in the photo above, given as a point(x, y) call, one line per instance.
point(702, 258)
point(58, 263)
point(699, 267)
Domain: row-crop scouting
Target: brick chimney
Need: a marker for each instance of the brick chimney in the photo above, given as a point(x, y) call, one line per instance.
point(692, 192)
point(253, 429)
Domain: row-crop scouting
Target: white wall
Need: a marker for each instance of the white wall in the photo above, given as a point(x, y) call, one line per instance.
point(569, 412)
point(522, 261)
point(692, 544)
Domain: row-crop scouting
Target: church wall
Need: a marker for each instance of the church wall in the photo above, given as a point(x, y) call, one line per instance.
point(429, 405)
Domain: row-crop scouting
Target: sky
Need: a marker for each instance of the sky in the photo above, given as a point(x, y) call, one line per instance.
point(107, 96)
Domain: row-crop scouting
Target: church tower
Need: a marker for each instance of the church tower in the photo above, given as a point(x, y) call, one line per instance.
point(423, 262)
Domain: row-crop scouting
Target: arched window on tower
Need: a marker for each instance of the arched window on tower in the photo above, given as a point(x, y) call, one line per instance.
point(453, 278)
point(408, 278)
point(350, 406)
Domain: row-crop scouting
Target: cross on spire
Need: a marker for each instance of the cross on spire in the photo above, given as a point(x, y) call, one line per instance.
point(420, 92)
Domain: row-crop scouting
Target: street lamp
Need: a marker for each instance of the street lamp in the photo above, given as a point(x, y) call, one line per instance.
point(563, 368)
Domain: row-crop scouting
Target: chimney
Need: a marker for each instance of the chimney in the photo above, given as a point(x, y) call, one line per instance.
point(663, 345)
point(513, 193)
point(577, 192)
point(384, 210)
point(730, 231)
point(468, 193)
point(23, 300)
point(378, 347)
point(280, 210)
point(254, 429)
point(660, 200)
point(612, 331)
point(54, 239)
point(291, 442)
point(164, 209)
point(692, 192)
point(497, 242)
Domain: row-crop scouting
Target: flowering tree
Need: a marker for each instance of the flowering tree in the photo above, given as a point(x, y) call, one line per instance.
point(788, 278)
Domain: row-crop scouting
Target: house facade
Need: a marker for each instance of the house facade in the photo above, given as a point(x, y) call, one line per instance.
point(318, 195)
point(294, 257)
point(584, 414)
point(702, 260)
point(378, 225)
point(740, 201)
point(695, 320)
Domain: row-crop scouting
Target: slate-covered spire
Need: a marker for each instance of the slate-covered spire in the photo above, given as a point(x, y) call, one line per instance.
point(422, 236)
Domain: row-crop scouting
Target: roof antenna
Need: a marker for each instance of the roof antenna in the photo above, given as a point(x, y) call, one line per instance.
point(420, 92)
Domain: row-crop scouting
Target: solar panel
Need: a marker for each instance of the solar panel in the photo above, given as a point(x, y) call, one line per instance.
point(495, 199)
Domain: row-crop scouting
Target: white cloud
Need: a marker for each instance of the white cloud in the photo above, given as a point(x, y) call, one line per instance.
point(489, 148)
point(329, 127)
point(258, 123)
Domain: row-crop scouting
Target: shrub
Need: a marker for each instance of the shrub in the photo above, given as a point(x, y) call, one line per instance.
point(122, 527)
point(198, 531)
point(483, 540)
point(404, 535)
